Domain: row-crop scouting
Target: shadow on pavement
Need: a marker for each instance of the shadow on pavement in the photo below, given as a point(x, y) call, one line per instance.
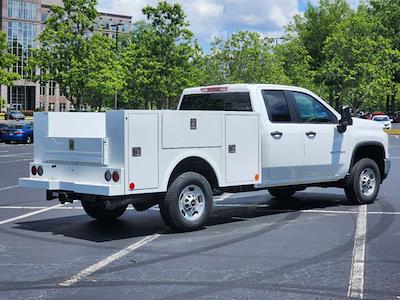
point(143, 224)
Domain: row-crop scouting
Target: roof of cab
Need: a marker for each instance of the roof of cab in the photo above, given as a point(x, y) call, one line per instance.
point(241, 87)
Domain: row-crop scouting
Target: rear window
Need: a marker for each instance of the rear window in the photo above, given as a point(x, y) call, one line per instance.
point(277, 106)
point(239, 101)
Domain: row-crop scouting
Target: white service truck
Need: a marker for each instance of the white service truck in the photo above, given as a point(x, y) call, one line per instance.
point(239, 137)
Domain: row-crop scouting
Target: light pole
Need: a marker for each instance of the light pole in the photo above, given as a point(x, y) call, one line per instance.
point(116, 26)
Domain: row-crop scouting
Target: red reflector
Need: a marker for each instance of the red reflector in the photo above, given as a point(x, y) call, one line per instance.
point(213, 89)
point(33, 170)
point(131, 186)
point(115, 176)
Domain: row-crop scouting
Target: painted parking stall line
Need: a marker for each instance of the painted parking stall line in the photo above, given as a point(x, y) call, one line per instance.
point(30, 214)
point(356, 283)
point(8, 188)
point(108, 260)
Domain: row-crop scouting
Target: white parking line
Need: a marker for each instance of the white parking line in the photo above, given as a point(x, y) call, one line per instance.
point(8, 188)
point(108, 260)
point(222, 197)
point(16, 161)
point(29, 214)
point(314, 211)
point(356, 283)
point(17, 154)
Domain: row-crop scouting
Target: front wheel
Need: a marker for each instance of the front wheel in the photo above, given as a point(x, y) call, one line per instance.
point(99, 212)
point(188, 203)
point(363, 182)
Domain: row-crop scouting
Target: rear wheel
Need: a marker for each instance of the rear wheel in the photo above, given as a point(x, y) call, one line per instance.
point(188, 203)
point(282, 193)
point(99, 212)
point(363, 182)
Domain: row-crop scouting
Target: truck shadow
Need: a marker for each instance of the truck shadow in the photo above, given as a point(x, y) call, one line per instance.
point(134, 224)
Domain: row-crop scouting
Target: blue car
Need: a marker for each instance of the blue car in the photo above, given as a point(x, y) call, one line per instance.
point(17, 133)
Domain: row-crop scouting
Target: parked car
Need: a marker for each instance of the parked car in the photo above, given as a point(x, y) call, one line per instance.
point(14, 115)
point(2, 127)
point(18, 133)
point(239, 137)
point(384, 120)
point(396, 117)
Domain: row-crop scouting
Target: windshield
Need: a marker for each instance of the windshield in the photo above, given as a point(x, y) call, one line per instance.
point(381, 118)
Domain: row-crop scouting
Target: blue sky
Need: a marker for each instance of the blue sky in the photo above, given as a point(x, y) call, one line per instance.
point(219, 18)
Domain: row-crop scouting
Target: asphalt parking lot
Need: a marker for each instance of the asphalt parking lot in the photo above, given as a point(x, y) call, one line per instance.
point(315, 246)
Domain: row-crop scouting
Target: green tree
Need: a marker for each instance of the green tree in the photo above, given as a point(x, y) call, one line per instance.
point(388, 14)
point(157, 62)
point(7, 60)
point(358, 62)
point(244, 57)
point(83, 63)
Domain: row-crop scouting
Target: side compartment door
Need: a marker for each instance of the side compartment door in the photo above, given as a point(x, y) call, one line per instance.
point(143, 150)
point(284, 147)
point(242, 148)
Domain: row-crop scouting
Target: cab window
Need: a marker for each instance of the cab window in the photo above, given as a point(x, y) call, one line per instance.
point(236, 101)
point(310, 110)
point(277, 106)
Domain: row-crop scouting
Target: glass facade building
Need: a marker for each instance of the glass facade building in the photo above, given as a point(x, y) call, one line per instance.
point(23, 20)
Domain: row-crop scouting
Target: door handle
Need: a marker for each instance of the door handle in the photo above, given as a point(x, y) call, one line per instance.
point(276, 134)
point(311, 133)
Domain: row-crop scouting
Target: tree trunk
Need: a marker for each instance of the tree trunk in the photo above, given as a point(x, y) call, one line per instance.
point(331, 96)
point(393, 103)
point(387, 103)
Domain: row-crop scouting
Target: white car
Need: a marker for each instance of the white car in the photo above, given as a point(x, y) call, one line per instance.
point(384, 120)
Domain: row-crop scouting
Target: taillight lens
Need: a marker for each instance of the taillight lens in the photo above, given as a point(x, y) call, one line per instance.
point(33, 170)
point(19, 132)
point(115, 176)
point(107, 175)
point(40, 170)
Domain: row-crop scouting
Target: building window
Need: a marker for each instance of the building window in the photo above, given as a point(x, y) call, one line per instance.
point(22, 10)
point(52, 88)
point(21, 39)
point(51, 106)
point(62, 107)
point(43, 89)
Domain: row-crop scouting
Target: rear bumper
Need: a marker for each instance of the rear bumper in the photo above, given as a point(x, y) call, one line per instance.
point(84, 188)
point(14, 138)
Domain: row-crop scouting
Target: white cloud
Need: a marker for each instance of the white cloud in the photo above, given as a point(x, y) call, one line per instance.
point(210, 18)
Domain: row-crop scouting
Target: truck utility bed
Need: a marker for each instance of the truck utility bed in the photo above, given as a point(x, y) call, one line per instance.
point(75, 150)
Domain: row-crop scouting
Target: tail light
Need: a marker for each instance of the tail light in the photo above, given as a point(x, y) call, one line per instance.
point(19, 132)
point(115, 176)
point(40, 170)
point(33, 170)
point(107, 175)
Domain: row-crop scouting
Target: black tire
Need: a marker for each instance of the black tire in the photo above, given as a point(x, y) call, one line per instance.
point(28, 140)
point(282, 193)
point(99, 212)
point(7, 142)
point(179, 218)
point(354, 188)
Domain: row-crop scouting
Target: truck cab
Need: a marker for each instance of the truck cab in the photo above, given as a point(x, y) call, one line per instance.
point(237, 137)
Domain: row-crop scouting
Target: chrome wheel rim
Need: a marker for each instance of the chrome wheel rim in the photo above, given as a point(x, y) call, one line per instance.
point(367, 181)
point(191, 202)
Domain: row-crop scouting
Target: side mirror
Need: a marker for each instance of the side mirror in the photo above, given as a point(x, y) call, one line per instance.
point(346, 119)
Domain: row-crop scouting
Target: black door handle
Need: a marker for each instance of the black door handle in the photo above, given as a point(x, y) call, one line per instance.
point(276, 134)
point(311, 133)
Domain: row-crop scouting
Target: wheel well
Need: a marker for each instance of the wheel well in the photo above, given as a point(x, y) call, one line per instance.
point(374, 152)
point(198, 165)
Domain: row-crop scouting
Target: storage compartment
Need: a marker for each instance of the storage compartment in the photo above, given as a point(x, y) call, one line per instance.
point(242, 149)
point(192, 129)
point(142, 151)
